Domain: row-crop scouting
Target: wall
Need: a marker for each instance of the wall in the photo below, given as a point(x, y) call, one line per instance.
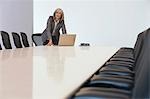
point(16, 16)
point(100, 22)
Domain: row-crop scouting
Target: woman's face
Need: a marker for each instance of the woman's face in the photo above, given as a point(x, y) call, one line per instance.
point(58, 14)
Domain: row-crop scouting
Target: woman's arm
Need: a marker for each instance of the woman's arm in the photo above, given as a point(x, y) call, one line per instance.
point(48, 31)
point(49, 28)
point(64, 28)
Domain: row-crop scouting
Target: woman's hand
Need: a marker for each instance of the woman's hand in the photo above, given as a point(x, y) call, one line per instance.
point(50, 43)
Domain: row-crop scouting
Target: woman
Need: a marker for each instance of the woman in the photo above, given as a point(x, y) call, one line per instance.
point(51, 34)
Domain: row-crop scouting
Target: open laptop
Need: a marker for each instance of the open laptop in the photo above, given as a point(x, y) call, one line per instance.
point(67, 40)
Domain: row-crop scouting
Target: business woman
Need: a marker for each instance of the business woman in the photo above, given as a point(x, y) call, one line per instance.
point(50, 36)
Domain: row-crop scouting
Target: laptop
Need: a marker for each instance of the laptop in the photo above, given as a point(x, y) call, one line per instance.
point(67, 39)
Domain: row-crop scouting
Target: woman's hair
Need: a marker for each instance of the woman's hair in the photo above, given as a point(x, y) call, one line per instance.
point(62, 14)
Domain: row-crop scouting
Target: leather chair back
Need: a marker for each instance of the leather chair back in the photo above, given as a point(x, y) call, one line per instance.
point(141, 89)
point(6, 40)
point(17, 40)
point(24, 39)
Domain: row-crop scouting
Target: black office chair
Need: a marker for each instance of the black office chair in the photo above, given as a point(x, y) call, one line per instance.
point(6, 40)
point(24, 39)
point(17, 40)
point(0, 47)
point(37, 39)
point(141, 89)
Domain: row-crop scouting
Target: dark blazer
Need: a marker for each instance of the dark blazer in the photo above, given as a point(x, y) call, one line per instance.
point(47, 33)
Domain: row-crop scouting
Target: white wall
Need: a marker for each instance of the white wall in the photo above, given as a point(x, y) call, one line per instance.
point(16, 16)
point(100, 22)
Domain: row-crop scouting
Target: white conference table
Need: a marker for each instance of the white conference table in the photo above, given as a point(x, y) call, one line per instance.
point(48, 72)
